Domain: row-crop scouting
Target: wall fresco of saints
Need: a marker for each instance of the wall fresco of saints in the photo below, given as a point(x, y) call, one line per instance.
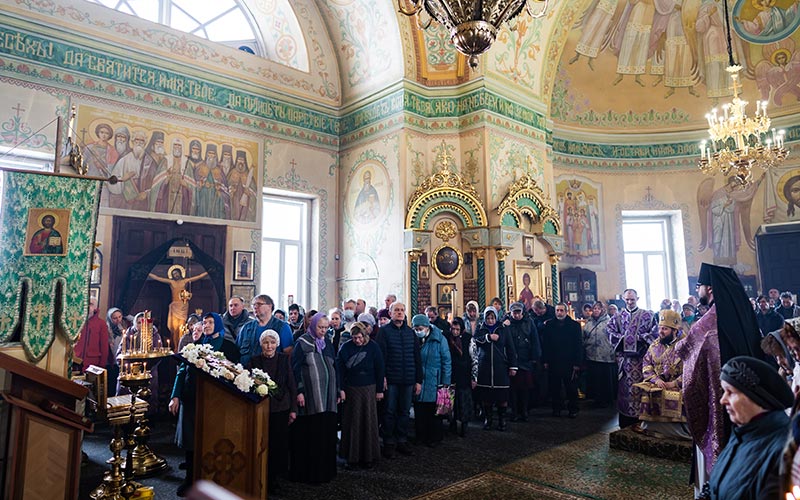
point(170, 169)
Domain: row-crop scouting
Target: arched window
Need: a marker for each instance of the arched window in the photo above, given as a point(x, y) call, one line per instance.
point(223, 21)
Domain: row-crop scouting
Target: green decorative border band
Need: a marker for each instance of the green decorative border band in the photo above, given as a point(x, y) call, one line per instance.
point(642, 151)
point(441, 107)
point(38, 49)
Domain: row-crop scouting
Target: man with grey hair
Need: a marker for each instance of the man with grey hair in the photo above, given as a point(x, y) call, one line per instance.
point(631, 332)
point(388, 301)
point(348, 313)
point(401, 355)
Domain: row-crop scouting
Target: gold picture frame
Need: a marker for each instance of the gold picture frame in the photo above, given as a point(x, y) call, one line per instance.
point(535, 287)
point(447, 261)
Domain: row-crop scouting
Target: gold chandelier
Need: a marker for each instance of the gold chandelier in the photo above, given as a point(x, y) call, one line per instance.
point(472, 24)
point(740, 143)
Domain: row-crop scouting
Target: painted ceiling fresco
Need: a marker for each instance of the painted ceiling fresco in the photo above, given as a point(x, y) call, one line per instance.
point(660, 64)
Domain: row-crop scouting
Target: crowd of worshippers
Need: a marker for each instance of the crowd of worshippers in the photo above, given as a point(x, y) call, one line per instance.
point(718, 370)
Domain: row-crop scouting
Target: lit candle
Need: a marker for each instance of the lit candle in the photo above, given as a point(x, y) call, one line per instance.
point(703, 150)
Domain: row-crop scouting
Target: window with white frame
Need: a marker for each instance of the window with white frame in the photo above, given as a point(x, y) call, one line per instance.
point(223, 21)
point(285, 249)
point(649, 251)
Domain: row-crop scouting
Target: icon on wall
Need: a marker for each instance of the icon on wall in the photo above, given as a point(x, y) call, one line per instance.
point(243, 265)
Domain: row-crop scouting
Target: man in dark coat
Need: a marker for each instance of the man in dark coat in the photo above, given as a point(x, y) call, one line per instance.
point(235, 317)
point(562, 353)
point(401, 356)
point(768, 319)
point(526, 341)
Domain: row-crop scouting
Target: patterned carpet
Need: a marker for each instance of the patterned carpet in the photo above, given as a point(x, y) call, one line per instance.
point(585, 468)
point(545, 458)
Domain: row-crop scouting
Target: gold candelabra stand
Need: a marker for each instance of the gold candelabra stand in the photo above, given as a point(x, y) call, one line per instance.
point(118, 483)
point(138, 356)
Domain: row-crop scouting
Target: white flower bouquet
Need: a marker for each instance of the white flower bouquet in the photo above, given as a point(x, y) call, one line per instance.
point(205, 358)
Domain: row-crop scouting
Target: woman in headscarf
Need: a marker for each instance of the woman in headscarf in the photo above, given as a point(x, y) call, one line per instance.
point(114, 318)
point(359, 367)
point(464, 372)
point(497, 363)
point(755, 397)
point(182, 402)
point(312, 445)
point(282, 405)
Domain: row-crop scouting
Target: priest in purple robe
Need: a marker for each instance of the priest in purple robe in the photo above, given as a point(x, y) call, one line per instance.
point(631, 332)
point(727, 330)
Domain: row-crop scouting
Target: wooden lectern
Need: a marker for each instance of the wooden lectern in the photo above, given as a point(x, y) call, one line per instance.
point(231, 437)
point(42, 456)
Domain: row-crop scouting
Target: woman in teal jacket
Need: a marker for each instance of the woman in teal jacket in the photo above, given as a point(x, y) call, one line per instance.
point(435, 360)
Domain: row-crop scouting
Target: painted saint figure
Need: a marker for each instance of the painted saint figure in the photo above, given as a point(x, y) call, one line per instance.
point(179, 307)
point(46, 240)
point(242, 188)
point(212, 193)
point(100, 155)
point(175, 185)
point(368, 205)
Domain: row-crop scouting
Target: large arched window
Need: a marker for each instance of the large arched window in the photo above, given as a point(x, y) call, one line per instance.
point(223, 21)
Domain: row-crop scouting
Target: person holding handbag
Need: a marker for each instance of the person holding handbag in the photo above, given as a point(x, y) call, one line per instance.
point(436, 369)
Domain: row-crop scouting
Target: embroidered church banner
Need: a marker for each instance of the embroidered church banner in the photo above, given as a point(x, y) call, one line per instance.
point(48, 233)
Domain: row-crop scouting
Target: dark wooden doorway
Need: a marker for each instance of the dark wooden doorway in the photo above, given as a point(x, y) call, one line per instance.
point(133, 238)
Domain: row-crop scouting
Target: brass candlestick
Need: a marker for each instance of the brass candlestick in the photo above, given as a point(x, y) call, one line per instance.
point(118, 483)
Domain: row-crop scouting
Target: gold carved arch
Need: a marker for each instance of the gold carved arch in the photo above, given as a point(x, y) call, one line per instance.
point(445, 192)
point(525, 197)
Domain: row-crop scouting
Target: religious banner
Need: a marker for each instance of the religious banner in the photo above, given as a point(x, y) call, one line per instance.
point(170, 169)
point(578, 205)
point(46, 248)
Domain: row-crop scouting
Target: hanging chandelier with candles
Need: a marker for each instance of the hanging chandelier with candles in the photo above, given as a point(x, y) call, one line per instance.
point(473, 24)
point(740, 143)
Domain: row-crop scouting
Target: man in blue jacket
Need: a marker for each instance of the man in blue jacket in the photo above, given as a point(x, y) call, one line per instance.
point(249, 335)
point(401, 355)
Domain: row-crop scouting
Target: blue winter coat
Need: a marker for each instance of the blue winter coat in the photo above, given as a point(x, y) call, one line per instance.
point(400, 349)
point(435, 360)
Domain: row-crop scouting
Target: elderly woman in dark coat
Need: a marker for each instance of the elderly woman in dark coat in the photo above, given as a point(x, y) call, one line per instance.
point(282, 405)
point(497, 363)
point(313, 436)
point(359, 367)
point(755, 397)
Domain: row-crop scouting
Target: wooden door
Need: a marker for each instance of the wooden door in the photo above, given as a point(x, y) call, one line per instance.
point(135, 238)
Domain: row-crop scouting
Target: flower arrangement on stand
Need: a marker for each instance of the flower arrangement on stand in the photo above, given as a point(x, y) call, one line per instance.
point(205, 358)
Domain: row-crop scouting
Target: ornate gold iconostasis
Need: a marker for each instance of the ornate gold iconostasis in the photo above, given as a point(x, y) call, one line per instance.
point(456, 257)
